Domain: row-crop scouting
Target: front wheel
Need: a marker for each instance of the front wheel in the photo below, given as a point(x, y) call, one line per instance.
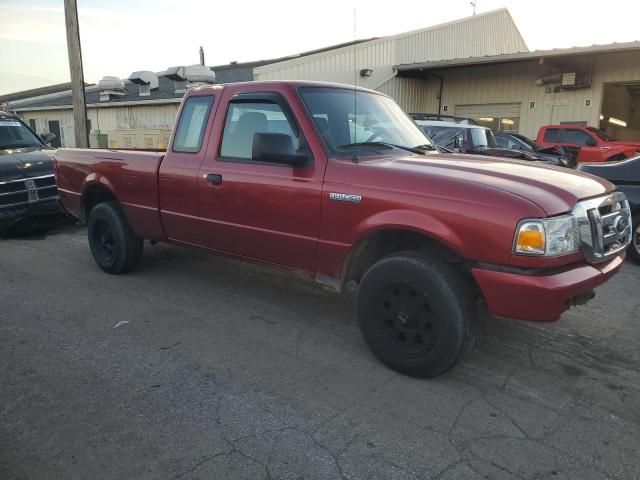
point(415, 314)
point(113, 245)
point(634, 248)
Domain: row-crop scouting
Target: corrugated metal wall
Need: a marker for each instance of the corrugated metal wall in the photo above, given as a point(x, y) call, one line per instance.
point(107, 119)
point(515, 83)
point(492, 33)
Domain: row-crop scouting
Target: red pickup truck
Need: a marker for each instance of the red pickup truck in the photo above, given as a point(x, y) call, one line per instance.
point(338, 184)
point(595, 145)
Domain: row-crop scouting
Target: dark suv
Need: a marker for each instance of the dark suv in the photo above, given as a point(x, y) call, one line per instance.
point(27, 184)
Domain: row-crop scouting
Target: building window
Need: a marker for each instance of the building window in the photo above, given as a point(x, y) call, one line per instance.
point(32, 124)
point(500, 124)
point(532, 104)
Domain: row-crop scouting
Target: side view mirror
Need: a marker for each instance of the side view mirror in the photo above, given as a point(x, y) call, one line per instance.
point(591, 142)
point(48, 137)
point(276, 148)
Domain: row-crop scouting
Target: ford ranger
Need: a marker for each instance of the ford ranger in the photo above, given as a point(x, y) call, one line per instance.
point(338, 184)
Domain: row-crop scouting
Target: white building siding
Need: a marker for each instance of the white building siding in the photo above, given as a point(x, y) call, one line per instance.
point(491, 33)
point(516, 83)
point(106, 119)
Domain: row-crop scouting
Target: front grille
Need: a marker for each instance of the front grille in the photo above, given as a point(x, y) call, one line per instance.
point(605, 226)
point(15, 193)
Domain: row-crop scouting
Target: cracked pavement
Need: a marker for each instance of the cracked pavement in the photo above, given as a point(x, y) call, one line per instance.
point(233, 371)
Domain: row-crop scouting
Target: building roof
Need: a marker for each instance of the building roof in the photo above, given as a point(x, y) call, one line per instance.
point(165, 91)
point(493, 31)
point(60, 95)
point(37, 92)
point(521, 56)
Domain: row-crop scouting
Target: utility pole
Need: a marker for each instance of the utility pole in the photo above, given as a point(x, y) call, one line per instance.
point(201, 56)
point(77, 76)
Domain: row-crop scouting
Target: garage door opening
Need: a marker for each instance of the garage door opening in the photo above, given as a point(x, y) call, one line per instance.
point(499, 117)
point(620, 114)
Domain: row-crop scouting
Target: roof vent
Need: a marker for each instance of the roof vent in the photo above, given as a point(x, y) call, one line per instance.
point(199, 75)
point(190, 76)
point(109, 87)
point(146, 82)
point(179, 77)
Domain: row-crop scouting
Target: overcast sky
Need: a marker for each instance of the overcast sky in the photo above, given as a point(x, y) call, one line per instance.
point(121, 36)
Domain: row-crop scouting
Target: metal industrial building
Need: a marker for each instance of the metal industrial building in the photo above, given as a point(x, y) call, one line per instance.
point(478, 67)
point(491, 33)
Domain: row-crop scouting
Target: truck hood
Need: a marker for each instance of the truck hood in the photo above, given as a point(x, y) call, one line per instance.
point(554, 189)
point(25, 163)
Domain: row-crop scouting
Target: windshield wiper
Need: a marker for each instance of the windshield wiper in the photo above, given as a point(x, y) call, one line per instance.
point(419, 150)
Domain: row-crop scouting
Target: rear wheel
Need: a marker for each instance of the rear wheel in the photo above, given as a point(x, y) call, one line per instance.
point(634, 248)
point(113, 245)
point(415, 314)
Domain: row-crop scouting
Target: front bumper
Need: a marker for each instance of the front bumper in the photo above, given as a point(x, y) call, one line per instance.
point(541, 298)
point(29, 212)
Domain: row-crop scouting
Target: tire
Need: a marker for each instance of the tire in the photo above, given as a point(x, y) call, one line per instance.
point(415, 314)
point(113, 245)
point(634, 248)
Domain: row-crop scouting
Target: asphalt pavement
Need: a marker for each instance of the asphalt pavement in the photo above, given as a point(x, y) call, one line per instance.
point(200, 367)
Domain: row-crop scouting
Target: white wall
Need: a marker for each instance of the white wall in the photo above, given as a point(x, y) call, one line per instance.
point(106, 119)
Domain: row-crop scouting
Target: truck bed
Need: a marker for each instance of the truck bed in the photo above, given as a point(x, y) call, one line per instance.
point(130, 176)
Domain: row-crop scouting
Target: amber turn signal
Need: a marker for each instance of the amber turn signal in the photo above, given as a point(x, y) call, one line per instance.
point(530, 238)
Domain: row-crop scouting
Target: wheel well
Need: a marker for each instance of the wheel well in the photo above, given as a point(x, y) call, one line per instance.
point(94, 195)
point(386, 242)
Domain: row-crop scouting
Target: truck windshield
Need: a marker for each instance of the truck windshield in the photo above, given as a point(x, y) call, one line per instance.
point(364, 121)
point(15, 134)
point(601, 134)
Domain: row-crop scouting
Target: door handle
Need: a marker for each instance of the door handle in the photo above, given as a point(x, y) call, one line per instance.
point(214, 179)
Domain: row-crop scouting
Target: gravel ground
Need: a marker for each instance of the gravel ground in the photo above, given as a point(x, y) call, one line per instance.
point(199, 367)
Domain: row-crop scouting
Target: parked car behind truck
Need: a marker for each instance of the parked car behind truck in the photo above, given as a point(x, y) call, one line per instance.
point(278, 172)
point(478, 140)
point(626, 176)
point(27, 185)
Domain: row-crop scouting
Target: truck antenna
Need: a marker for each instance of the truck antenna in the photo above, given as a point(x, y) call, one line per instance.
point(355, 159)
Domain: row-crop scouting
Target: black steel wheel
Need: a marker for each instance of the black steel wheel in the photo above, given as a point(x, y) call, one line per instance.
point(415, 314)
point(104, 241)
point(405, 316)
point(634, 248)
point(113, 244)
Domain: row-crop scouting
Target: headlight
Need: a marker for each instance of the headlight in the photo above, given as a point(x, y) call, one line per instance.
point(547, 237)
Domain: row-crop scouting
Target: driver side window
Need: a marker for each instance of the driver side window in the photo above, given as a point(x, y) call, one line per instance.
point(245, 119)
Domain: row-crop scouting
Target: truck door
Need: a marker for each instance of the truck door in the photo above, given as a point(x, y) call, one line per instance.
point(178, 173)
point(590, 151)
point(255, 208)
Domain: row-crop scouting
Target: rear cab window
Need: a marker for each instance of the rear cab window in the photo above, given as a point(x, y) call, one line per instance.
point(192, 124)
point(552, 135)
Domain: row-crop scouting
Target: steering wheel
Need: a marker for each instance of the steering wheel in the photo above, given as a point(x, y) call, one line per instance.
point(377, 132)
